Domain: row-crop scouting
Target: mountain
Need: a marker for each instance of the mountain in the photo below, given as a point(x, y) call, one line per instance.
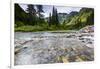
point(20, 15)
point(73, 13)
point(62, 17)
point(81, 19)
point(70, 16)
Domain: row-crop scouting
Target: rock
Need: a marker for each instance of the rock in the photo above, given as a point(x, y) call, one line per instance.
point(87, 29)
point(72, 47)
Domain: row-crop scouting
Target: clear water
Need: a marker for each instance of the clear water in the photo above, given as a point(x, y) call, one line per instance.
point(46, 47)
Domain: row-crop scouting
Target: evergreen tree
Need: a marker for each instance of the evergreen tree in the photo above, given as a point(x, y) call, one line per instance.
point(40, 10)
point(57, 21)
point(54, 18)
point(40, 15)
point(31, 9)
point(20, 15)
point(49, 20)
point(32, 14)
point(90, 19)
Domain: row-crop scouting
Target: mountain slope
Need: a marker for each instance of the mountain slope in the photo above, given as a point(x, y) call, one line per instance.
point(62, 17)
point(83, 18)
point(20, 15)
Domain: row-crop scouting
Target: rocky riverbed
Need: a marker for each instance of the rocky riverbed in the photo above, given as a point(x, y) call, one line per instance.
point(49, 47)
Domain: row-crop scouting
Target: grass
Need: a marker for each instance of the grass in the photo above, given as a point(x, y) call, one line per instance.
point(52, 29)
point(29, 28)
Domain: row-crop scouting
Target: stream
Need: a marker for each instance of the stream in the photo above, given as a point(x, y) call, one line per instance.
point(49, 47)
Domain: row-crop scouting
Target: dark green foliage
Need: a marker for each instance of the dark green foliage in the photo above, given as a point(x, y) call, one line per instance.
point(54, 18)
point(31, 9)
point(20, 15)
point(83, 18)
point(57, 21)
point(90, 19)
point(49, 21)
point(40, 15)
point(34, 20)
point(31, 14)
point(39, 8)
point(19, 23)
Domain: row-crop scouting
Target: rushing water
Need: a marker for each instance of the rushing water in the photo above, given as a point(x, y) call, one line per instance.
point(46, 47)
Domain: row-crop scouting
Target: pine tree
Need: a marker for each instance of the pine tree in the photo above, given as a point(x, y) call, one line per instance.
point(90, 19)
point(40, 15)
point(40, 10)
point(32, 14)
point(31, 9)
point(49, 20)
point(54, 18)
point(57, 21)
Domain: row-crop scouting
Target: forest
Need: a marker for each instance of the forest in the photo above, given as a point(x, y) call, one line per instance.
point(33, 20)
point(46, 34)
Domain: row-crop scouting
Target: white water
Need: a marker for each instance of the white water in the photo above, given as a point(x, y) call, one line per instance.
point(37, 48)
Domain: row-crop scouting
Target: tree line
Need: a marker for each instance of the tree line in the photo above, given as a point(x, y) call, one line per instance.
point(34, 16)
point(33, 19)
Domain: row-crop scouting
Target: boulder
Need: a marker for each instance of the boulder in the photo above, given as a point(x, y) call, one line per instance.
point(87, 29)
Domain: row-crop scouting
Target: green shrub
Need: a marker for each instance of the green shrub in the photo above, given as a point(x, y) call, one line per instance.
point(19, 23)
point(30, 28)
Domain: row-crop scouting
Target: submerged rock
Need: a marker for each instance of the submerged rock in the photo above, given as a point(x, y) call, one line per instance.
point(57, 48)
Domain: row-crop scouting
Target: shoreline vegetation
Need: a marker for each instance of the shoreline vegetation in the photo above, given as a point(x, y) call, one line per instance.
point(40, 29)
point(87, 29)
point(33, 20)
point(60, 37)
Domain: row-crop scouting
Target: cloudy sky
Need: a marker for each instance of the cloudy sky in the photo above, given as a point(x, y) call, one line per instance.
point(48, 9)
